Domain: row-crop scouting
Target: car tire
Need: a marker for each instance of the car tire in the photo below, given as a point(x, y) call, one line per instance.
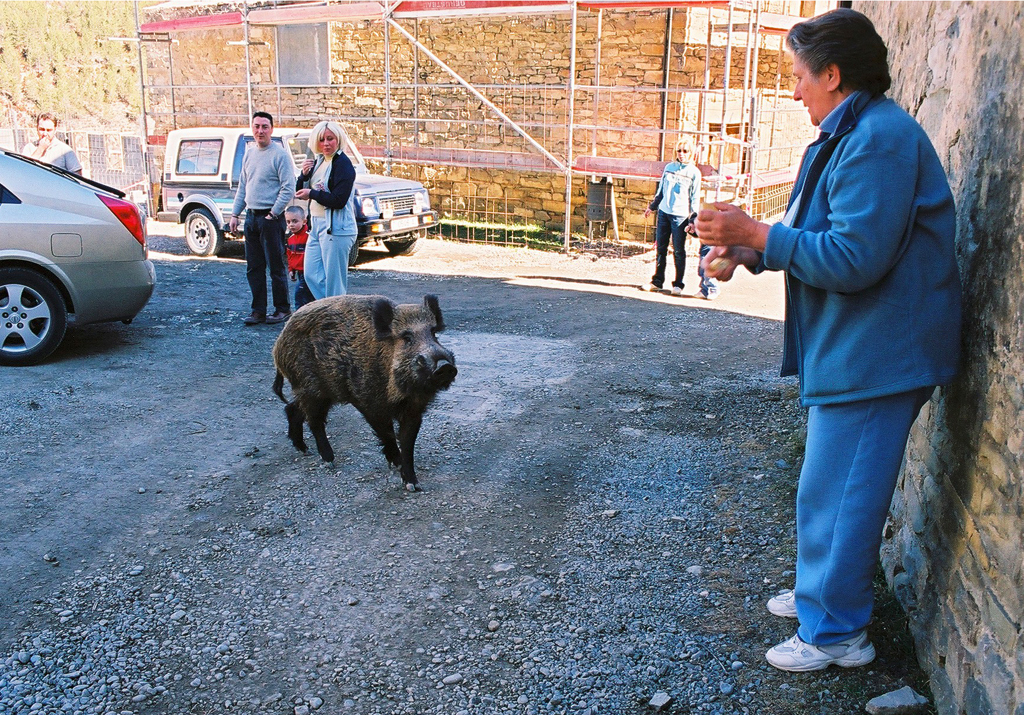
point(33, 317)
point(202, 234)
point(404, 246)
point(353, 253)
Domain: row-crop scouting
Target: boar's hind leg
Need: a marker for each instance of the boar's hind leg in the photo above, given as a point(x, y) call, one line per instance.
point(408, 428)
point(385, 431)
point(317, 418)
point(295, 420)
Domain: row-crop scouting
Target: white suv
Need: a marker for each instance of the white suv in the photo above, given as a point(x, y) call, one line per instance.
point(200, 177)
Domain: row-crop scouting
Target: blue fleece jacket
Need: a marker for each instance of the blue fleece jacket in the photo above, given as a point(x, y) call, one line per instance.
point(679, 190)
point(872, 286)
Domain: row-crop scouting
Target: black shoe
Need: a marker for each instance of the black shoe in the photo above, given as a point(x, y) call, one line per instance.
point(255, 318)
point(278, 317)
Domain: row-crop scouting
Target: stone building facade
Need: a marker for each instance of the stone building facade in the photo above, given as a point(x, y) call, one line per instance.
point(521, 63)
point(954, 551)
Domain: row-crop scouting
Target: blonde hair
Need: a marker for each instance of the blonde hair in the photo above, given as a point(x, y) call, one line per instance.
point(317, 135)
point(685, 141)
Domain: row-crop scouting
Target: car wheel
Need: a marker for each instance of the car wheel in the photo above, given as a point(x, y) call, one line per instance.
point(403, 247)
point(353, 253)
point(33, 317)
point(202, 234)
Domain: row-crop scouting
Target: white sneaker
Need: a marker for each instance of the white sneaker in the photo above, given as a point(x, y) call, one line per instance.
point(676, 290)
point(783, 604)
point(798, 657)
point(650, 288)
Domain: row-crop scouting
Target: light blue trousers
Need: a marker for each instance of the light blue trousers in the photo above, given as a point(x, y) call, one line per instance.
point(325, 265)
point(852, 461)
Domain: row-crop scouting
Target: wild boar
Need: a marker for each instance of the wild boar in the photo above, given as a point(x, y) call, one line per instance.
point(382, 358)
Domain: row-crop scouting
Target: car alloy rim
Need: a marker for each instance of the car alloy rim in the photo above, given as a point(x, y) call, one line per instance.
point(25, 318)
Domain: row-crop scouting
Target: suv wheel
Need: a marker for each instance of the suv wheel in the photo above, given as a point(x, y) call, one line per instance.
point(202, 234)
point(33, 317)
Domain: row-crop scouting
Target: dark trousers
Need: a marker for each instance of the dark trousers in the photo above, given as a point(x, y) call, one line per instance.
point(670, 226)
point(264, 246)
point(302, 293)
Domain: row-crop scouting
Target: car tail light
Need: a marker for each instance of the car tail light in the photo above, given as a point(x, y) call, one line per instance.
point(128, 214)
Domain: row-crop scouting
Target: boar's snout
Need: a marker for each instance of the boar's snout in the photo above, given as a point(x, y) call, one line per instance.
point(444, 373)
point(437, 367)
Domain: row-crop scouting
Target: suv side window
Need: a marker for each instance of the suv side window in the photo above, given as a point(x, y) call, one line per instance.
point(243, 144)
point(199, 157)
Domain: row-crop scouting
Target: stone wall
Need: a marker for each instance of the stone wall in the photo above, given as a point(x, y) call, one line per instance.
point(521, 63)
point(954, 551)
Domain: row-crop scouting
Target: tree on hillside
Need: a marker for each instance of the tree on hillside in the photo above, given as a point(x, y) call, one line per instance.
point(54, 56)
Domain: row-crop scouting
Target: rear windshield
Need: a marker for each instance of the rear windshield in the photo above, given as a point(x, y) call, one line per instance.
point(199, 157)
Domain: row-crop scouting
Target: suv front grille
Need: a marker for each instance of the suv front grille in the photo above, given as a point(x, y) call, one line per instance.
point(399, 204)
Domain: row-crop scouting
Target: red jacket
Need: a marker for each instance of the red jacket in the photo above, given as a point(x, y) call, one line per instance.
point(297, 249)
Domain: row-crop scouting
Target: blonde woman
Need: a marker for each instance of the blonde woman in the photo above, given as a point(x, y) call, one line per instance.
point(676, 202)
point(327, 182)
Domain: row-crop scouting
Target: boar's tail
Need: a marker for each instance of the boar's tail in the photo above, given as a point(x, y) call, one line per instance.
point(279, 386)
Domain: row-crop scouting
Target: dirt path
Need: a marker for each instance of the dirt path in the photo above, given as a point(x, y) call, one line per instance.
point(607, 504)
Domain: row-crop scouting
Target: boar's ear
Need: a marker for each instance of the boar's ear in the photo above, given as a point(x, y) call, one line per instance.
point(383, 315)
point(430, 301)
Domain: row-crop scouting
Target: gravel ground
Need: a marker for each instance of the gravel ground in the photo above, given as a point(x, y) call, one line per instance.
point(608, 504)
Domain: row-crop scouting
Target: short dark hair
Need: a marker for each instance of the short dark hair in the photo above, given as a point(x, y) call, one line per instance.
point(296, 210)
point(265, 115)
point(44, 116)
point(847, 39)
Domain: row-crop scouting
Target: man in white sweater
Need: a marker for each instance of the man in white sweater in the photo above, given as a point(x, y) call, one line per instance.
point(265, 186)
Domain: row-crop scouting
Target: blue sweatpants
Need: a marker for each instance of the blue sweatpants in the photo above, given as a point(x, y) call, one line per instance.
point(325, 262)
point(852, 461)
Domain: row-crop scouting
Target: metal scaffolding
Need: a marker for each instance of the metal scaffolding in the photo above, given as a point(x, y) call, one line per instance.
point(565, 128)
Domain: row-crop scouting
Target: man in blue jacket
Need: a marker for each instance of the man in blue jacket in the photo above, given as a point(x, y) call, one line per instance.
point(872, 319)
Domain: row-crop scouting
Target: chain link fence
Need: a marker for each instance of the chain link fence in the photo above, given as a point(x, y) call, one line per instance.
point(113, 158)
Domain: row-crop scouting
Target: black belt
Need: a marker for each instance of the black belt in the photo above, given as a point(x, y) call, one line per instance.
point(259, 212)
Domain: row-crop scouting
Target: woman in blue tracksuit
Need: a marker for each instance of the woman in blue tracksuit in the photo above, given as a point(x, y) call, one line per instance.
point(872, 319)
point(328, 183)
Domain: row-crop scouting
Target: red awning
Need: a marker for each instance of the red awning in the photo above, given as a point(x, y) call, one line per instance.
point(202, 22)
point(303, 14)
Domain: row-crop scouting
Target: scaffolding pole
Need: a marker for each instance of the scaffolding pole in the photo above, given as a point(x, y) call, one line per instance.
point(248, 66)
point(388, 151)
point(725, 104)
point(665, 76)
point(568, 128)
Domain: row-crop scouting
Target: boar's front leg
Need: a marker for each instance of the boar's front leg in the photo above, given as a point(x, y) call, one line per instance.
point(408, 428)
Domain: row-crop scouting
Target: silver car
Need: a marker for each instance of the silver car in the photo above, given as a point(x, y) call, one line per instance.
point(69, 247)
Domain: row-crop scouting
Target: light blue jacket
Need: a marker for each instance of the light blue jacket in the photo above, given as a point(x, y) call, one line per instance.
point(872, 287)
point(679, 190)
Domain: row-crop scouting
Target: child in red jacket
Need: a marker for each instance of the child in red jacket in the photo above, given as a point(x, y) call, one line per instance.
point(295, 221)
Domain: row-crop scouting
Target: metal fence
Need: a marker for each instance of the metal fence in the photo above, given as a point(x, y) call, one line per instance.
point(113, 158)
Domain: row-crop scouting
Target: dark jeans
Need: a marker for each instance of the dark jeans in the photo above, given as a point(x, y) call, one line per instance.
point(302, 294)
point(264, 246)
point(670, 226)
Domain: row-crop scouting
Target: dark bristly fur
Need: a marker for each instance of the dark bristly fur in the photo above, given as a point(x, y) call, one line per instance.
point(382, 358)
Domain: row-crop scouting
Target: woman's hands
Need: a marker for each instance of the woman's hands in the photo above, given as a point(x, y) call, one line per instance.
point(302, 194)
point(721, 261)
point(728, 225)
point(736, 239)
point(307, 166)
